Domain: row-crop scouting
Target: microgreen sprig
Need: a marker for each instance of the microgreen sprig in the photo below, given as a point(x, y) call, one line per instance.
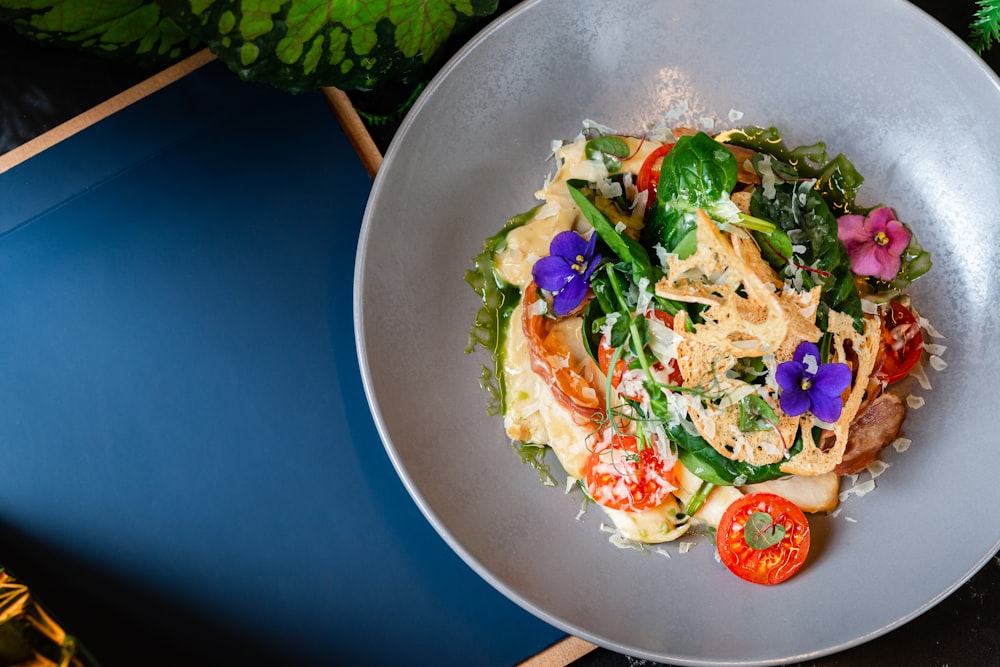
point(985, 27)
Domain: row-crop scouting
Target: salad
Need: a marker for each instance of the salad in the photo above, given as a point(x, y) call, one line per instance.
point(705, 331)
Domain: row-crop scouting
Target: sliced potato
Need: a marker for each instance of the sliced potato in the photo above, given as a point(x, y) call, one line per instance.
point(812, 493)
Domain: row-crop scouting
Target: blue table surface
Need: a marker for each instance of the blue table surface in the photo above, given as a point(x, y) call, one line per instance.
point(191, 474)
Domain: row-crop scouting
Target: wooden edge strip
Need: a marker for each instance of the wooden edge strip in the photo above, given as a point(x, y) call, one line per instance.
point(354, 128)
point(123, 99)
point(560, 654)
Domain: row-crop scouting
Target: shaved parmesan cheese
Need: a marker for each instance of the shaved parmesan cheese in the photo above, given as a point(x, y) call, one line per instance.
point(767, 177)
point(935, 348)
point(937, 363)
point(920, 375)
point(735, 115)
point(589, 124)
point(901, 444)
point(860, 489)
point(929, 328)
point(914, 401)
point(876, 468)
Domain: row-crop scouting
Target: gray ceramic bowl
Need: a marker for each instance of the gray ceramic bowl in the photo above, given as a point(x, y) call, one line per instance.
point(879, 80)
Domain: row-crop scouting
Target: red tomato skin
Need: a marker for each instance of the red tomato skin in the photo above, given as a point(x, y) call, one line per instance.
point(649, 173)
point(902, 342)
point(774, 564)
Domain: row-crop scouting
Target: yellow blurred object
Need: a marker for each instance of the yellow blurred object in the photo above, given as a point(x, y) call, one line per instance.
point(29, 637)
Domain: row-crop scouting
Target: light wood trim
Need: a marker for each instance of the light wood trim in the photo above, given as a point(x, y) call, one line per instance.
point(84, 120)
point(354, 128)
point(560, 654)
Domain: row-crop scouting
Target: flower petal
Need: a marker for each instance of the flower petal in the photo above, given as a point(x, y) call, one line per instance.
point(570, 296)
point(825, 408)
point(789, 374)
point(899, 237)
point(592, 265)
point(794, 401)
point(832, 379)
point(851, 229)
point(868, 260)
point(568, 245)
point(552, 273)
point(878, 219)
point(804, 349)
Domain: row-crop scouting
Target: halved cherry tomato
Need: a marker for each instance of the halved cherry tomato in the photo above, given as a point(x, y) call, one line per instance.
point(649, 173)
point(605, 352)
point(623, 477)
point(772, 564)
point(902, 342)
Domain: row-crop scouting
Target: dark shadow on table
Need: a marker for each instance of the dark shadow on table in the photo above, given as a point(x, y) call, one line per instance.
point(122, 624)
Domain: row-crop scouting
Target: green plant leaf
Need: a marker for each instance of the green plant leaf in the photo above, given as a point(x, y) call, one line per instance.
point(756, 414)
point(136, 31)
point(624, 246)
point(299, 45)
point(761, 531)
point(984, 31)
point(609, 149)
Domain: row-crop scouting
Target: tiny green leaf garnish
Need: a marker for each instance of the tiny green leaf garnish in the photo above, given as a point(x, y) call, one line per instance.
point(762, 531)
point(610, 149)
point(756, 414)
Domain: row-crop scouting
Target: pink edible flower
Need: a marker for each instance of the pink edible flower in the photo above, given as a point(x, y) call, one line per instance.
point(875, 243)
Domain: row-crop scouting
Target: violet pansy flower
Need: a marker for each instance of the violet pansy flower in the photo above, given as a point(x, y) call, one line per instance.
point(875, 243)
point(566, 271)
point(807, 385)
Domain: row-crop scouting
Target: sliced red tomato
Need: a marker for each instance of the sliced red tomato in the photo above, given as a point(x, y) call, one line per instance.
point(605, 352)
point(739, 546)
point(649, 173)
point(902, 343)
point(623, 477)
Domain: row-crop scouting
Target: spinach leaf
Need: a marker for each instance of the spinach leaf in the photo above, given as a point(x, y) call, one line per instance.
point(627, 248)
point(698, 173)
point(701, 458)
point(802, 214)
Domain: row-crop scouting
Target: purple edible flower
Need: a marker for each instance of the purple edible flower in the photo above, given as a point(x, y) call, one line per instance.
point(874, 242)
point(567, 269)
point(807, 384)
